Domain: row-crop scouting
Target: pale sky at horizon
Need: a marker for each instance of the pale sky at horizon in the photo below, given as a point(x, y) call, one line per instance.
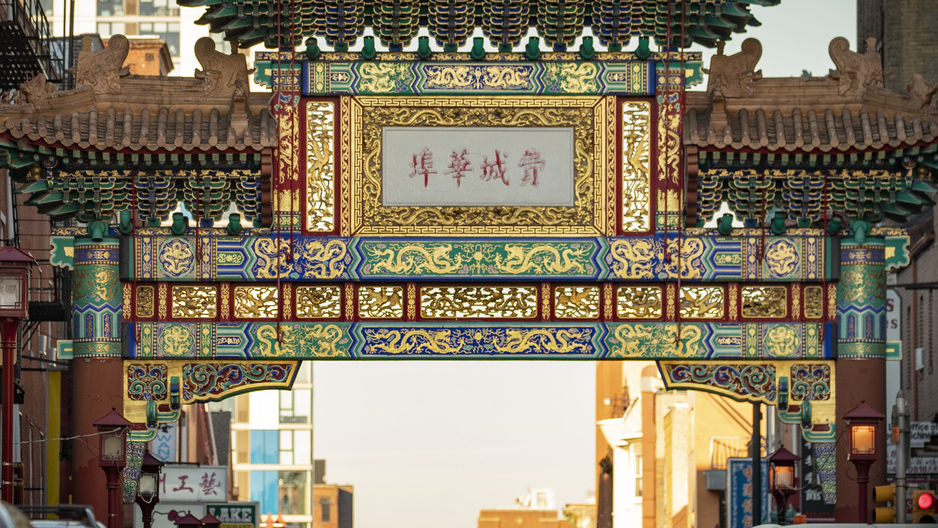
point(430, 443)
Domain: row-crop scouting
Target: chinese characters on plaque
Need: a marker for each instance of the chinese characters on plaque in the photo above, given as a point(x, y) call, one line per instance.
point(476, 166)
point(183, 483)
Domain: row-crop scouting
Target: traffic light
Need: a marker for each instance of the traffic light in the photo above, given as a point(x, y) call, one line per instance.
point(923, 507)
point(885, 499)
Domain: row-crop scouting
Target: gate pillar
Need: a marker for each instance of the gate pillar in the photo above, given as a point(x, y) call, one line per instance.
point(861, 351)
point(97, 371)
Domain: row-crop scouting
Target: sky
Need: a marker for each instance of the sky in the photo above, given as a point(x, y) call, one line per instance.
point(430, 443)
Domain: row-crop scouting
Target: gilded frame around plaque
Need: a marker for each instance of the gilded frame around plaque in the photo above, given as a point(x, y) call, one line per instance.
point(592, 118)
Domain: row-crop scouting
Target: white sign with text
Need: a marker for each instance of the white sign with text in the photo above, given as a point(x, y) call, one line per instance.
point(477, 166)
point(185, 483)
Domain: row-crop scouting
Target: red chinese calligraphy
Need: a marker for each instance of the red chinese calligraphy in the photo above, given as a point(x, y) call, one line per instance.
point(532, 164)
point(208, 484)
point(459, 165)
point(422, 165)
point(492, 170)
point(182, 484)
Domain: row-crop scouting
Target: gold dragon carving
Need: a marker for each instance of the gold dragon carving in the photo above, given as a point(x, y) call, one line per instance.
point(636, 173)
point(320, 166)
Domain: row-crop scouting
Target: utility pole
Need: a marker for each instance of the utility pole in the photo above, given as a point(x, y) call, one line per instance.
point(756, 463)
point(902, 456)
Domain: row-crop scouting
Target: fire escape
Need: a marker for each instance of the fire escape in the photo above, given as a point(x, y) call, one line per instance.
point(26, 44)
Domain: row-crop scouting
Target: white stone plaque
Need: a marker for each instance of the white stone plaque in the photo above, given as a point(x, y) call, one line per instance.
point(477, 166)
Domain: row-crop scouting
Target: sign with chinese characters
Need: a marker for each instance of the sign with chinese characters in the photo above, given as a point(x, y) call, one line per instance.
point(477, 166)
point(469, 166)
point(193, 483)
point(739, 492)
point(235, 514)
point(818, 479)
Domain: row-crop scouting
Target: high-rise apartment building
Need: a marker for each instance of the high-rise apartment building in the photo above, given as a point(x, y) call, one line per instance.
point(272, 450)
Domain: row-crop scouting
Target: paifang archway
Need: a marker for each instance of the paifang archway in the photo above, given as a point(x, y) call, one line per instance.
point(377, 235)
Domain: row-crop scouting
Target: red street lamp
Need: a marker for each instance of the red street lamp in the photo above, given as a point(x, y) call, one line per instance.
point(862, 426)
point(112, 430)
point(14, 307)
point(782, 477)
point(148, 489)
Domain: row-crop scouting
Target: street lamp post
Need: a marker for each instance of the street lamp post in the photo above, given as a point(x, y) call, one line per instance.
point(862, 428)
point(782, 477)
point(148, 490)
point(14, 307)
point(112, 430)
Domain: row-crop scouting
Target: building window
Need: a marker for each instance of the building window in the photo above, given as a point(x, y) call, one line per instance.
point(158, 8)
point(110, 8)
point(106, 29)
point(168, 31)
point(638, 473)
point(293, 492)
point(325, 514)
point(295, 406)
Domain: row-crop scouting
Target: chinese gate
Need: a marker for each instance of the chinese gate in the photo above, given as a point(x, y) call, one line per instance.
point(472, 205)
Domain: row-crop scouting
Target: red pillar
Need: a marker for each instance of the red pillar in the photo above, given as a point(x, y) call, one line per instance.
point(8, 344)
point(858, 380)
point(97, 388)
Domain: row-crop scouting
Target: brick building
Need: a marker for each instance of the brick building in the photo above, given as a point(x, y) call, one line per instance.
point(904, 28)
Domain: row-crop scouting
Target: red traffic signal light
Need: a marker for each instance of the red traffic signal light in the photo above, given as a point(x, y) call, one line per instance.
point(923, 506)
point(925, 500)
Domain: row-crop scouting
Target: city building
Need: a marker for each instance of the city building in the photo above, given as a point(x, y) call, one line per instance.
point(534, 509)
point(163, 19)
point(332, 504)
point(902, 28)
point(272, 449)
point(663, 448)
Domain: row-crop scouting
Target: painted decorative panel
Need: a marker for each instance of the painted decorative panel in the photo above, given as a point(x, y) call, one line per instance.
point(634, 340)
point(638, 302)
point(97, 299)
point(539, 259)
point(694, 257)
point(861, 300)
point(478, 302)
point(704, 256)
point(636, 166)
point(318, 302)
point(813, 302)
point(145, 300)
point(256, 302)
point(324, 340)
point(701, 302)
point(173, 383)
point(381, 302)
point(414, 77)
point(576, 302)
point(746, 381)
point(320, 167)
point(766, 382)
point(367, 120)
point(765, 302)
point(194, 302)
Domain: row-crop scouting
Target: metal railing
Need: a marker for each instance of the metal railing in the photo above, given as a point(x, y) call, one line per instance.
point(30, 18)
